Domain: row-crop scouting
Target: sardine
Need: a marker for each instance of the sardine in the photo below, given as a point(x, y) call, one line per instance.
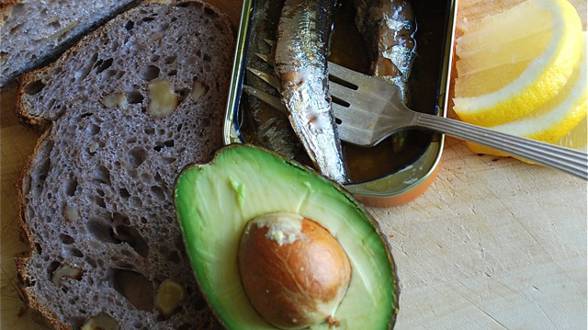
point(271, 129)
point(301, 65)
point(388, 28)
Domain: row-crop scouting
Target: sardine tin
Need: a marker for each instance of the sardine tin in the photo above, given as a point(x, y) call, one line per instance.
point(393, 189)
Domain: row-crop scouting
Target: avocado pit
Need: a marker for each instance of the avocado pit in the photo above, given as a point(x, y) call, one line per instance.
point(294, 272)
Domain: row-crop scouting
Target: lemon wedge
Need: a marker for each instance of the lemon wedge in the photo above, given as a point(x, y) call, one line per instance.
point(513, 63)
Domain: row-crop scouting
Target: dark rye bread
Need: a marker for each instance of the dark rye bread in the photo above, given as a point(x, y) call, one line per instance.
point(33, 32)
point(97, 197)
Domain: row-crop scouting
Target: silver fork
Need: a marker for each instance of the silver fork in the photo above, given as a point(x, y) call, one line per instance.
point(368, 110)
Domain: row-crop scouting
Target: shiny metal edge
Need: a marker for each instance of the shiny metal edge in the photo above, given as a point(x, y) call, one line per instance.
point(231, 133)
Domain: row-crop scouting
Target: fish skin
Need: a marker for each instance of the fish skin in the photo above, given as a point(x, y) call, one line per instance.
point(271, 129)
point(388, 28)
point(301, 64)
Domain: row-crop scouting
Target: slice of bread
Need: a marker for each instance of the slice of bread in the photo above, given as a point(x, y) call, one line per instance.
point(127, 108)
point(33, 32)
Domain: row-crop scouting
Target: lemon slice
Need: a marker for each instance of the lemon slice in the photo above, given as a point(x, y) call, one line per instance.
point(513, 63)
point(552, 124)
point(558, 118)
point(559, 122)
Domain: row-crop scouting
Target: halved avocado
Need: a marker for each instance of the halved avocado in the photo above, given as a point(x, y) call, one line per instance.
point(215, 201)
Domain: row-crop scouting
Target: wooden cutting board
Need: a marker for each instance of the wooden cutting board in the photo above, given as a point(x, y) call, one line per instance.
point(494, 243)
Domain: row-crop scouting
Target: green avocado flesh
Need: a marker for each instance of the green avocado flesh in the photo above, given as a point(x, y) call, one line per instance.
point(215, 201)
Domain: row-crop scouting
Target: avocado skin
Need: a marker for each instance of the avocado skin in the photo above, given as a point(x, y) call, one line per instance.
point(295, 166)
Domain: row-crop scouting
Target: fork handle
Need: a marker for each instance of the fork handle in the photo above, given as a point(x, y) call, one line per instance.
point(568, 160)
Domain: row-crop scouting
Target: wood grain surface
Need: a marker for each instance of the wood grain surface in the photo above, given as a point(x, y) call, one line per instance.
point(493, 244)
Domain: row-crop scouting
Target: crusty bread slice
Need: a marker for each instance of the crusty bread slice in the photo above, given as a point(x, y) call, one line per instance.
point(33, 31)
point(128, 106)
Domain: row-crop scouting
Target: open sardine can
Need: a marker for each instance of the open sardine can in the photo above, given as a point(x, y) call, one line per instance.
point(400, 168)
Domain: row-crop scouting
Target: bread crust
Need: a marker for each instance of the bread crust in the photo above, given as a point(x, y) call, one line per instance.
point(27, 235)
point(7, 4)
point(44, 125)
point(37, 123)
